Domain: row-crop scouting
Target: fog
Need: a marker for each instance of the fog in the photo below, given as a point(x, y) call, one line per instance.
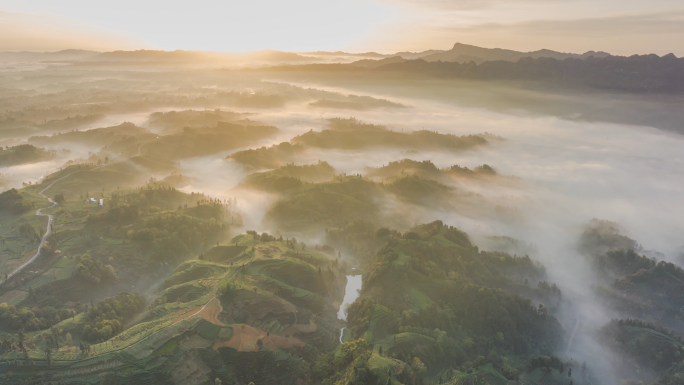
point(566, 173)
point(554, 174)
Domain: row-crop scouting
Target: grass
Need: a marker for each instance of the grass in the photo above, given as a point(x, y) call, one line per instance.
point(380, 365)
point(13, 297)
point(541, 376)
point(185, 292)
point(224, 253)
point(207, 329)
point(168, 348)
point(192, 270)
point(226, 333)
point(64, 262)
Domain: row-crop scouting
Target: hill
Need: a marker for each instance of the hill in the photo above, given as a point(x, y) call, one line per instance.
point(428, 305)
point(193, 142)
point(352, 134)
point(277, 155)
point(289, 177)
point(63, 55)
point(643, 344)
point(427, 170)
point(635, 74)
point(93, 137)
point(173, 121)
point(464, 53)
point(24, 153)
point(353, 102)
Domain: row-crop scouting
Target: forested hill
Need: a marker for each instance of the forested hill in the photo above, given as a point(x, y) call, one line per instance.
point(636, 74)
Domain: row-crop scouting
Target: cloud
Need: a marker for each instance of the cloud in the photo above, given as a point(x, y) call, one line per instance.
point(626, 34)
point(25, 32)
point(460, 4)
point(634, 24)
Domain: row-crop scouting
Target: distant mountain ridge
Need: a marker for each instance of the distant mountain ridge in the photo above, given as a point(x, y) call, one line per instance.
point(156, 56)
point(67, 55)
point(461, 53)
point(181, 56)
point(464, 53)
point(635, 74)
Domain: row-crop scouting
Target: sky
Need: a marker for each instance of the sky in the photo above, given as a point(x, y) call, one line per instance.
point(617, 26)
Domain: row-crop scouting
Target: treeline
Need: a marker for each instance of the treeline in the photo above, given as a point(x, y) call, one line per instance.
point(108, 317)
point(447, 291)
point(116, 214)
point(356, 134)
point(38, 318)
point(93, 271)
point(12, 202)
point(443, 262)
point(23, 153)
point(175, 236)
point(643, 342)
point(623, 262)
point(268, 157)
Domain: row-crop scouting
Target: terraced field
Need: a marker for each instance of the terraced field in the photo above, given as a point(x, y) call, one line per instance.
point(188, 316)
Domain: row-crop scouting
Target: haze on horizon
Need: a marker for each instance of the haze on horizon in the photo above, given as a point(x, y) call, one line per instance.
point(211, 193)
point(385, 26)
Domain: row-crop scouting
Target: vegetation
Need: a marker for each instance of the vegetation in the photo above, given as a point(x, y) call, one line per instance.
point(24, 153)
point(107, 318)
point(433, 296)
point(351, 134)
point(93, 271)
point(174, 121)
point(289, 177)
point(92, 137)
point(12, 202)
point(193, 142)
point(354, 102)
point(272, 157)
point(17, 318)
point(144, 278)
point(643, 343)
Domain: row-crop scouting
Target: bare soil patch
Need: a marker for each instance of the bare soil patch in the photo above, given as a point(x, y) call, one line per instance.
point(245, 340)
point(211, 310)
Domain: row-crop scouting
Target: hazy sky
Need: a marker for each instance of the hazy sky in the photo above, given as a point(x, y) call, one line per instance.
point(616, 26)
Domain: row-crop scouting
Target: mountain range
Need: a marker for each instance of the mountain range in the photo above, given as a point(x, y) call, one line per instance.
point(461, 53)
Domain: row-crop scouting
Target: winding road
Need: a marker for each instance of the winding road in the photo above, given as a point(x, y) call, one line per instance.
point(49, 226)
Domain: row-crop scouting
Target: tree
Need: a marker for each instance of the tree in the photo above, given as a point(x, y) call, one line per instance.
point(260, 343)
point(380, 350)
point(59, 198)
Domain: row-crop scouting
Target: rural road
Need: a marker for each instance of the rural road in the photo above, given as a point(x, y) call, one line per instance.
point(49, 226)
